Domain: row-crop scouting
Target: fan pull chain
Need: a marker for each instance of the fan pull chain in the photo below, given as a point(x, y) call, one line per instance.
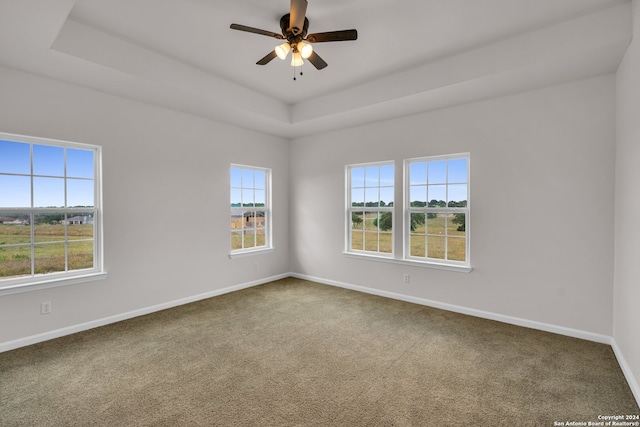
point(294, 72)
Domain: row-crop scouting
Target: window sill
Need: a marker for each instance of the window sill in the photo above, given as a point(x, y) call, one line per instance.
point(42, 282)
point(413, 263)
point(250, 252)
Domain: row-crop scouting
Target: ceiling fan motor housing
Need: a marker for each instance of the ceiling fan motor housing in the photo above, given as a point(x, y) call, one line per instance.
point(293, 35)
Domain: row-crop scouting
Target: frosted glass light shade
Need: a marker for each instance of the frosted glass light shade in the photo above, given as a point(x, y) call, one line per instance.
point(296, 59)
point(305, 49)
point(282, 50)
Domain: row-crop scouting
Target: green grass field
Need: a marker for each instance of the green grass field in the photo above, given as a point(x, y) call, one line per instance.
point(438, 238)
point(49, 249)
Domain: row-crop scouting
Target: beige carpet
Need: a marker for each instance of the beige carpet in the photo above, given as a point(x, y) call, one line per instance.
point(297, 353)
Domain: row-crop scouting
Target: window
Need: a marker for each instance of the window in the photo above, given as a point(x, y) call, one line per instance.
point(49, 210)
point(370, 208)
point(435, 220)
point(250, 209)
point(437, 209)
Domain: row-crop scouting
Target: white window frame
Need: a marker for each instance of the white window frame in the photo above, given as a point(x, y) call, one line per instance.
point(41, 281)
point(377, 209)
point(408, 209)
point(266, 210)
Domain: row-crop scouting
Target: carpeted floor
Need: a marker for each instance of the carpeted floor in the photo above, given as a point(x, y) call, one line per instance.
point(297, 353)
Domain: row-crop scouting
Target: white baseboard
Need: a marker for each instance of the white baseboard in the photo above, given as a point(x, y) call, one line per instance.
point(626, 370)
point(34, 339)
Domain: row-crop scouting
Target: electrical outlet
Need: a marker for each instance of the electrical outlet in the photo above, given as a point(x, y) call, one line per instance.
point(406, 278)
point(45, 307)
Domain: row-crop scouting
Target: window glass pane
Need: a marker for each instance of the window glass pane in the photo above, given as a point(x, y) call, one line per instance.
point(14, 229)
point(417, 222)
point(435, 247)
point(236, 197)
point(385, 221)
point(437, 196)
point(80, 193)
point(418, 173)
point(357, 197)
point(236, 177)
point(49, 258)
point(357, 222)
point(15, 157)
point(260, 180)
point(15, 191)
point(80, 163)
point(371, 242)
point(260, 237)
point(372, 176)
point(456, 249)
point(386, 243)
point(49, 227)
point(80, 226)
point(249, 239)
point(357, 177)
point(371, 197)
point(456, 224)
point(249, 220)
point(417, 245)
point(260, 196)
point(386, 176)
point(437, 172)
point(247, 178)
point(386, 196)
point(260, 219)
point(435, 223)
point(457, 195)
point(418, 196)
point(48, 192)
point(48, 160)
point(237, 219)
point(80, 255)
point(357, 240)
point(236, 240)
point(247, 197)
point(370, 221)
point(15, 261)
point(457, 171)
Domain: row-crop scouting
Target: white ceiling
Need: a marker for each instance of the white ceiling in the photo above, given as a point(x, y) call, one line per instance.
point(410, 56)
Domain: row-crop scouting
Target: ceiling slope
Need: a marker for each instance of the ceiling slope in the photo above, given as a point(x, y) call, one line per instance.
point(117, 47)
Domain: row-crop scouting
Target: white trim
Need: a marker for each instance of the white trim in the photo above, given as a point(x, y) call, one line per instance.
point(245, 252)
point(626, 370)
point(532, 324)
point(34, 339)
point(51, 283)
point(411, 262)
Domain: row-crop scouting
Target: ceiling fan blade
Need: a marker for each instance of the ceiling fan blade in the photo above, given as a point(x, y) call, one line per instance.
point(317, 62)
point(297, 14)
point(333, 36)
point(256, 31)
point(264, 61)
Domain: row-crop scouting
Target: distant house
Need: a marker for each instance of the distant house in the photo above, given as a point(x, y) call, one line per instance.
point(246, 220)
point(13, 221)
point(78, 220)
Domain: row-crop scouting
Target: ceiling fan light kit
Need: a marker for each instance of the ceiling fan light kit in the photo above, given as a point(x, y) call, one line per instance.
point(294, 26)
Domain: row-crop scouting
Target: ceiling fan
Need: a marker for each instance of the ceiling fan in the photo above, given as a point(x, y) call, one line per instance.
point(294, 27)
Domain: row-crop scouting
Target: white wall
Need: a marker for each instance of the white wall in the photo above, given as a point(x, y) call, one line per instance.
point(542, 203)
point(166, 215)
point(626, 324)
